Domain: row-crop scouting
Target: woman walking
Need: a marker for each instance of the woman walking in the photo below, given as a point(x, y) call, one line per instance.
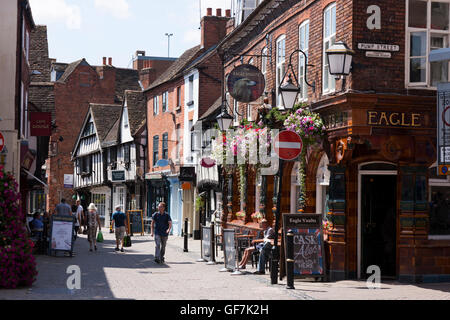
point(93, 221)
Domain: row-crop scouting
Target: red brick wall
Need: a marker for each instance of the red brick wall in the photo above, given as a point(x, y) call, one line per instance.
point(164, 121)
point(71, 106)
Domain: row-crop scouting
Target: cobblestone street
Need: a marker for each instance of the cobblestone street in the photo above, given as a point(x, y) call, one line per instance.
point(134, 275)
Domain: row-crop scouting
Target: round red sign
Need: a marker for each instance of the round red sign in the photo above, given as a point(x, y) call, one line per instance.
point(288, 145)
point(2, 142)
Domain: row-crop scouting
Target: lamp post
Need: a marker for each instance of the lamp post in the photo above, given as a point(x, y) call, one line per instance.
point(340, 57)
point(168, 35)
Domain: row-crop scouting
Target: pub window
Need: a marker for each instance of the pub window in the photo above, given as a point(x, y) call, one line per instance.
point(191, 90)
point(329, 38)
point(281, 66)
point(155, 149)
point(249, 112)
point(165, 146)
point(303, 45)
point(235, 112)
point(113, 154)
point(86, 165)
point(165, 102)
point(89, 129)
point(178, 96)
point(439, 200)
point(428, 29)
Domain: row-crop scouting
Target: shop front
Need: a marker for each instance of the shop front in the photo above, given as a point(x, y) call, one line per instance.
point(383, 189)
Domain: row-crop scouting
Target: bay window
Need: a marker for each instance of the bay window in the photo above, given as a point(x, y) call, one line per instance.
point(427, 30)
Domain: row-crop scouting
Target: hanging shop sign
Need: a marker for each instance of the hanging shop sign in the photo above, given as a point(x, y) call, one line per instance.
point(308, 243)
point(207, 162)
point(40, 124)
point(117, 175)
point(395, 119)
point(187, 174)
point(443, 128)
point(246, 83)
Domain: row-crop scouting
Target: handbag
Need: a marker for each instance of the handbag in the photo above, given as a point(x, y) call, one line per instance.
point(127, 241)
point(100, 237)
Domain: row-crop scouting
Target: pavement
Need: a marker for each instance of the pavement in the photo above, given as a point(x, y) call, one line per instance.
point(107, 274)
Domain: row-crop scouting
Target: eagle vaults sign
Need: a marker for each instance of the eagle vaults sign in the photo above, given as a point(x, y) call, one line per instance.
point(395, 119)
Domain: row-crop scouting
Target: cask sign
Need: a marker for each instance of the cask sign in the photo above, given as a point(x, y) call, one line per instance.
point(308, 243)
point(395, 119)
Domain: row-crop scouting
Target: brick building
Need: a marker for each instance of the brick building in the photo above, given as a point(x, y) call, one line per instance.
point(79, 85)
point(175, 102)
point(374, 176)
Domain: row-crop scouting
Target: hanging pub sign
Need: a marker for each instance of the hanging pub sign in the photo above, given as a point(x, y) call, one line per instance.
point(443, 128)
point(308, 244)
point(117, 175)
point(40, 124)
point(246, 83)
point(187, 174)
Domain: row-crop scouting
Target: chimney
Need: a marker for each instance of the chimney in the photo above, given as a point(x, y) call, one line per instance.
point(209, 12)
point(213, 28)
point(104, 61)
point(110, 61)
point(228, 13)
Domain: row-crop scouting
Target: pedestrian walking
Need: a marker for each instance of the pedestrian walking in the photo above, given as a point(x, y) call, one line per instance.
point(160, 229)
point(63, 209)
point(93, 221)
point(79, 214)
point(118, 221)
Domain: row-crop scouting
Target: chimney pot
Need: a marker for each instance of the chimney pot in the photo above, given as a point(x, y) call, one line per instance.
point(104, 61)
point(209, 11)
point(110, 61)
point(219, 12)
point(228, 13)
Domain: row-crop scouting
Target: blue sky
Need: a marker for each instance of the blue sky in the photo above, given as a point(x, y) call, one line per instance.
point(93, 29)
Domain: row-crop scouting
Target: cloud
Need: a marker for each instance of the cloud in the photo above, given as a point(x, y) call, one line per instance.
point(118, 8)
point(46, 11)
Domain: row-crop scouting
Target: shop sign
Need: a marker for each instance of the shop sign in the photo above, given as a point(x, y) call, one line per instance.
point(443, 128)
point(117, 175)
point(394, 119)
point(40, 124)
point(246, 83)
point(68, 181)
point(308, 243)
point(187, 174)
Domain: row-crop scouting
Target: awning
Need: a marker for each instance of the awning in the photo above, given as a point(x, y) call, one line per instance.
point(206, 185)
point(37, 179)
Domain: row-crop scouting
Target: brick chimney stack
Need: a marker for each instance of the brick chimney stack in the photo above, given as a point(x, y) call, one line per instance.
point(104, 61)
point(228, 13)
point(110, 61)
point(213, 28)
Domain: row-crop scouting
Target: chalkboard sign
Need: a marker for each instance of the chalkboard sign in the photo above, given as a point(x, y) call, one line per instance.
point(206, 243)
point(308, 243)
point(62, 232)
point(229, 248)
point(137, 219)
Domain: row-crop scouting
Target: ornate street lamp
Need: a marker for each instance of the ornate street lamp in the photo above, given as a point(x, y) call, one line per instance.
point(340, 58)
point(224, 119)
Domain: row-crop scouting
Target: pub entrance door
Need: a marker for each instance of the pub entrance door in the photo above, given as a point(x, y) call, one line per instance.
point(377, 221)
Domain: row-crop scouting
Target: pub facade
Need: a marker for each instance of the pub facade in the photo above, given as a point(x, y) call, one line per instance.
point(373, 176)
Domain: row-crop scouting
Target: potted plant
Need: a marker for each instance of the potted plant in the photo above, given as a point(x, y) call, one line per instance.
point(256, 216)
point(240, 215)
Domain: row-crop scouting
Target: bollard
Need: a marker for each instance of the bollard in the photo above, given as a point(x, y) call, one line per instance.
point(213, 254)
point(290, 260)
point(185, 235)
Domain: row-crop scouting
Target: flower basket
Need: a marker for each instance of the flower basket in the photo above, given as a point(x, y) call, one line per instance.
point(240, 215)
point(256, 217)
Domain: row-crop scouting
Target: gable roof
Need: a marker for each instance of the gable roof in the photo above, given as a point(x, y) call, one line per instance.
point(137, 106)
point(126, 79)
point(104, 116)
point(177, 67)
point(70, 69)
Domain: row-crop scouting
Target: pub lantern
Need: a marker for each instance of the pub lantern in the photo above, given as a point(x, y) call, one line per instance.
point(224, 119)
point(289, 93)
point(340, 58)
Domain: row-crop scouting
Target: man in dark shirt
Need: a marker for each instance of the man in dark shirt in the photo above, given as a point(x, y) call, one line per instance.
point(118, 220)
point(161, 225)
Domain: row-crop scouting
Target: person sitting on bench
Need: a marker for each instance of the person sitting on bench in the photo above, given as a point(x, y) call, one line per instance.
point(265, 246)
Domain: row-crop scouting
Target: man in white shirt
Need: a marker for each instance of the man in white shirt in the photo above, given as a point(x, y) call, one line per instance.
point(80, 213)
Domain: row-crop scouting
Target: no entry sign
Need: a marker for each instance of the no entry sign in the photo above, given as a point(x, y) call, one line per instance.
point(288, 145)
point(2, 142)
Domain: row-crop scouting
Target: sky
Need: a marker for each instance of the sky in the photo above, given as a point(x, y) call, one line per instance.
point(93, 29)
